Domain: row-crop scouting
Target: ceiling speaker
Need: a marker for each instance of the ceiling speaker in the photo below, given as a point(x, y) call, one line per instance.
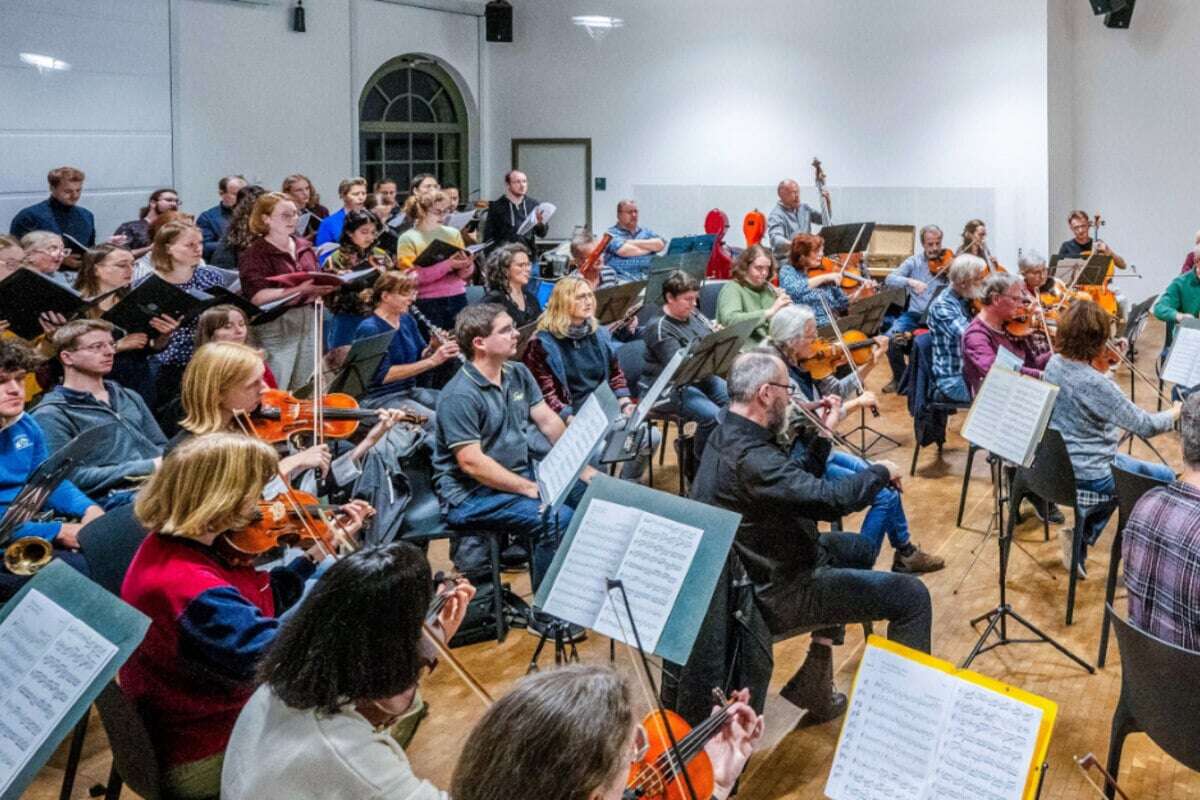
point(499, 21)
point(1120, 18)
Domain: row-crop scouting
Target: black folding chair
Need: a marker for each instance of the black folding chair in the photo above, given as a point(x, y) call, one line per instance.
point(1158, 697)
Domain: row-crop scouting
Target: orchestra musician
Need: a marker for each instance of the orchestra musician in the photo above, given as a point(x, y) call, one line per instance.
point(1039, 287)
point(1181, 299)
point(922, 276)
point(750, 295)
point(793, 333)
point(805, 281)
point(1002, 299)
point(632, 247)
point(679, 325)
point(211, 617)
point(1081, 245)
point(790, 217)
point(948, 317)
point(336, 703)
point(974, 242)
point(1091, 413)
point(582, 245)
point(801, 577)
point(571, 733)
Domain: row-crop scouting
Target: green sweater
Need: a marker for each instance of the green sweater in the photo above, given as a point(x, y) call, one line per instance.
point(737, 303)
point(1182, 295)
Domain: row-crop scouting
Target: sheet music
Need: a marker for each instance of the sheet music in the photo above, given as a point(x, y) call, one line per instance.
point(545, 209)
point(596, 553)
point(1007, 359)
point(1183, 363)
point(459, 220)
point(302, 223)
point(913, 731)
point(1009, 415)
point(49, 658)
point(557, 471)
point(655, 564)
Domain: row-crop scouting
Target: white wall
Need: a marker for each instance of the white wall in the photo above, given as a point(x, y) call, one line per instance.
point(1133, 135)
point(913, 96)
point(109, 114)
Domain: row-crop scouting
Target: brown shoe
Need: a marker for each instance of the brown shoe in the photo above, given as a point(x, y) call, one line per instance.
point(916, 561)
point(813, 690)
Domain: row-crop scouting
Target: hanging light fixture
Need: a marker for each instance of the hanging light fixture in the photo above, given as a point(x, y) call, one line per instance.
point(43, 63)
point(597, 25)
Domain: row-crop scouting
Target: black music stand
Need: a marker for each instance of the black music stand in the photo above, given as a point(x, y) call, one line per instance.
point(613, 301)
point(693, 263)
point(358, 370)
point(847, 238)
point(714, 354)
point(49, 474)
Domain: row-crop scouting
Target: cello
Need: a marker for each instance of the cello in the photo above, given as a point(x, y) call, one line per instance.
point(1100, 293)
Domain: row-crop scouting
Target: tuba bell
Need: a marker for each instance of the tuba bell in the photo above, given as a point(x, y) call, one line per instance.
point(27, 555)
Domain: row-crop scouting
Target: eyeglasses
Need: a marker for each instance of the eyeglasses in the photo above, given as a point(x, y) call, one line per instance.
point(98, 347)
point(789, 388)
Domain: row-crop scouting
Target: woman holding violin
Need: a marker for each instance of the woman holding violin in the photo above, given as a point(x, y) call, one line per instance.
point(794, 336)
point(337, 703)
point(1091, 413)
point(809, 276)
point(211, 616)
point(571, 734)
point(921, 276)
point(974, 242)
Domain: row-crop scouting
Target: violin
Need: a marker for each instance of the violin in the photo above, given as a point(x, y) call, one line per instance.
point(754, 227)
point(280, 415)
point(940, 261)
point(657, 774)
point(853, 277)
point(828, 356)
point(291, 518)
point(589, 268)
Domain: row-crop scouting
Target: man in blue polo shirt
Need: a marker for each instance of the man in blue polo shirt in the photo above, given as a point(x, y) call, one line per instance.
point(61, 213)
point(632, 247)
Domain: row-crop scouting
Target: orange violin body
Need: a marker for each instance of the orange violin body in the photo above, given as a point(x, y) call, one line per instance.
point(290, 518)
point(941, 261)
point(828, 356)
point(281, 415)
point(650, 775)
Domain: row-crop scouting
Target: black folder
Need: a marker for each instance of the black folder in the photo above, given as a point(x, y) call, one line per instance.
point(25, 295)
point(153, 297)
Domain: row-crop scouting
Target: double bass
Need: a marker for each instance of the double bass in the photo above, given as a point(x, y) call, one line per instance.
point(855, 274)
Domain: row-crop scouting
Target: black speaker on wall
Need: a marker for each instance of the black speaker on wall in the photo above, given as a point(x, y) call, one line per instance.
point(1108, 6)
point(1121, 17)
point(498, 16)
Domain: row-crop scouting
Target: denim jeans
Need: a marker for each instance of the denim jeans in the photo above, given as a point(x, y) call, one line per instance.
point(846, 590)
point(1096, 521)
point(886, 515)
point(700, 402)
point(954, 388)
point(906, 322)
point(514, 513)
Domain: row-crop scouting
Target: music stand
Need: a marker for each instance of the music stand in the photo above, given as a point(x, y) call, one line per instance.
point(714, 354)
point(49, 474)
point(693, 263)
point(847, 238)
point(524, 335)
point(613, 301)
point(624, 447)
point(356, 373)
point(700, 243)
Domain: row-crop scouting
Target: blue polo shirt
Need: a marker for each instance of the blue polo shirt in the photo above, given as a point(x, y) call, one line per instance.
point(406, 348)
point(51, 215)
point(633, 268)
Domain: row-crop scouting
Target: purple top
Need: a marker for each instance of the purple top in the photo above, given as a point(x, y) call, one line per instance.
point(980, 344)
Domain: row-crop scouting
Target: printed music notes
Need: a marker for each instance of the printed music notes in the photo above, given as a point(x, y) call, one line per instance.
point(557, 472)
point(918, 728)
point(49, 658)
point(1183, 364)
point(546, 210)
point(1009, 415)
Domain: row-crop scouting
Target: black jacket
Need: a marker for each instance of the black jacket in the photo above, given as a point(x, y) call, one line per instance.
point(744, 469)
point(503, 219)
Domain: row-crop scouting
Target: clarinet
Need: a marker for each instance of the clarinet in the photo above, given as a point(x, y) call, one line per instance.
point(440, 334)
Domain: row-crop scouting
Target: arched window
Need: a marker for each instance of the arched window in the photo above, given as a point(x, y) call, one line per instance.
point(412, 120)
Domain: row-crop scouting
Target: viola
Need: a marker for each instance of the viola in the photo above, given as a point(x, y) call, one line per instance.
point(828, 356)
point(657, 775)
point(589, 268)
point(754, 227)
point(280, 415)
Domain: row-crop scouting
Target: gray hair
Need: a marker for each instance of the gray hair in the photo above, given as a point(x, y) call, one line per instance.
point(789, 322)
point(751, 371)
point(965, 269)
point(997, 284)
point(1030, 260)
point(1189, 430)
point(37, 240)
point(578, 242)
point(929, 229)
point(783, 184)
point(628, 201)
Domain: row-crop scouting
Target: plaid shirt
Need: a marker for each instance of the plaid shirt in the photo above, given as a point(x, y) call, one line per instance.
point(948, 318)
point(1162, 564)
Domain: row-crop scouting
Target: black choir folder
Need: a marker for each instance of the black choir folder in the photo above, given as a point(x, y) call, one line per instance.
point(25, 295)
point(918, 728)
point(62, 639)
point(439, 250)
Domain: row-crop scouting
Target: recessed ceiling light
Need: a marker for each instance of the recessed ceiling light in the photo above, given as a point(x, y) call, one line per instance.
point(598, 25)
point(43, 63)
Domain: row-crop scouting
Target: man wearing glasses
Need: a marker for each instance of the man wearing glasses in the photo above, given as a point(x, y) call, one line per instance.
point(85, 400)
point(1003, 298)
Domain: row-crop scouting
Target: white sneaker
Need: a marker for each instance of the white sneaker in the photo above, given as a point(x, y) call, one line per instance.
point(1065, 536)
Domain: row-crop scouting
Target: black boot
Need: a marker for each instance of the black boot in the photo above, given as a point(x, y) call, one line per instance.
point(812, 687)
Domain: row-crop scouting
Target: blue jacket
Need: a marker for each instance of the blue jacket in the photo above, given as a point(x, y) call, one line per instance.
point(544, 357)
point(66, 413)
point(22, 450)
point(213, 223)
point(51, 215)
point(330, 231)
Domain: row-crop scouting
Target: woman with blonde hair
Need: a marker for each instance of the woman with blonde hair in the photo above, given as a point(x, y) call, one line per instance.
point(211, 615)
point(750, 294)
point(571, 354)
point(275, 251)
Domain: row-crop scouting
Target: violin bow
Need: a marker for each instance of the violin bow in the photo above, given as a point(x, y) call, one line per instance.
point(444, 652)
point(837, 331)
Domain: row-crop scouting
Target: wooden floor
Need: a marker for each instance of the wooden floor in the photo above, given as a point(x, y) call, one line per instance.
point(795, 764)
